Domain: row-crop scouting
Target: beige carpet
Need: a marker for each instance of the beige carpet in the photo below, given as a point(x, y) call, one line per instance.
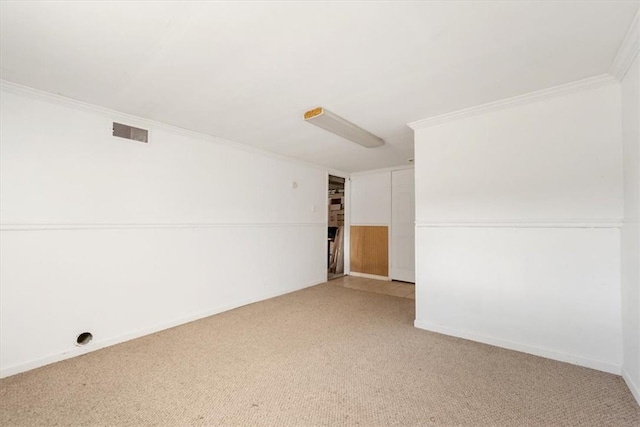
point(327, 355)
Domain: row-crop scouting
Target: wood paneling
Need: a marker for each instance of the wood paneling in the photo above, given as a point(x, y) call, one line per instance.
point(370, 249)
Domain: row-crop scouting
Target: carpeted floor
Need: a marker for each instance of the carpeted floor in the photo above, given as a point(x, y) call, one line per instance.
point(326, 355)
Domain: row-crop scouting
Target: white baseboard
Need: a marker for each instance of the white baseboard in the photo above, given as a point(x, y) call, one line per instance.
point(369, 276)
point(633, 387)
point(599, 365)
point(97, 345)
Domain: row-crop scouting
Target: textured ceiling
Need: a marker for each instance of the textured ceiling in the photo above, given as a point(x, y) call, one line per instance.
point(248, 71)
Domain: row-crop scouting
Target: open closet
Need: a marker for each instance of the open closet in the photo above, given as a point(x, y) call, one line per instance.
point(335, 231)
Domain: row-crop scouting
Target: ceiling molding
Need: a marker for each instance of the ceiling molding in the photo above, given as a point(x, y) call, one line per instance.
point(140, 121)
point(588, 83)
point(628, 50)
point(381, 170)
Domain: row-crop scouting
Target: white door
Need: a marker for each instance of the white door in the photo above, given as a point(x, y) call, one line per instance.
point(402, 226)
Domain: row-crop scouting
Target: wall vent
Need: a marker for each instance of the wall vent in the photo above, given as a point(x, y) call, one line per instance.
point(129, 132)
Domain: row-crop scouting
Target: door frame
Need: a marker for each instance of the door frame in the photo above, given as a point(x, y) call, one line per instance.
point(346, 241)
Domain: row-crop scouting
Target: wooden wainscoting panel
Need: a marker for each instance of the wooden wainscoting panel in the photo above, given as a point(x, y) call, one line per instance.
point(370, 249)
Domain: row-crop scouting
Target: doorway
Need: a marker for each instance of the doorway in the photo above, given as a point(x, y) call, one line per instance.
point(335, 230)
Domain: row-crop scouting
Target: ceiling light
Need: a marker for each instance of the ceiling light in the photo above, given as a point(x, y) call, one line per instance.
point(336, 124)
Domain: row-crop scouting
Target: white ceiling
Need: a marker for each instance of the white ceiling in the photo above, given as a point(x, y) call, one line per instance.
point(248, 71)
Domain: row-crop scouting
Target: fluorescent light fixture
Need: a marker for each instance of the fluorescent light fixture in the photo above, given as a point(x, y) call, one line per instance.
point(336, 124)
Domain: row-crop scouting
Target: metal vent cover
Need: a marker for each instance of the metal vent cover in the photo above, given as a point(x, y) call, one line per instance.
point(129, 132)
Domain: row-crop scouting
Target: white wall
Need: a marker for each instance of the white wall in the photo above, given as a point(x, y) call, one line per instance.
point(518, 213)
point(371, 198)
point(122, 238)
point(402, 264)
point(630, 89)
point(557, 159)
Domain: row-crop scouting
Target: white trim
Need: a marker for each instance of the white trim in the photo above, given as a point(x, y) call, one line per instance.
point(611, 368)
point(346, 229)
point(418, 282)
point(97, 345)
point(633, 387)
point(369, 276)
point(347, 226)
point(344, 175)
point(588, 83)
point(327, 245)
point(43, 227)
point(389, 169)
point(613, 223)
point(628, 50)
point(526, 223)
point(141, 121)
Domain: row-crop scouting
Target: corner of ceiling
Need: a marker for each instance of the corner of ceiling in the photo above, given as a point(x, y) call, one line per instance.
point(628, 50)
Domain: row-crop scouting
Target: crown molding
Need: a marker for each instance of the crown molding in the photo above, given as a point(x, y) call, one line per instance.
point(523, 223)
point(628, 50)
point(579, 85)
point(19, 89)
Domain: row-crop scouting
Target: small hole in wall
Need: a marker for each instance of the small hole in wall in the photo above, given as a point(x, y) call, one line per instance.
point(84, 338)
